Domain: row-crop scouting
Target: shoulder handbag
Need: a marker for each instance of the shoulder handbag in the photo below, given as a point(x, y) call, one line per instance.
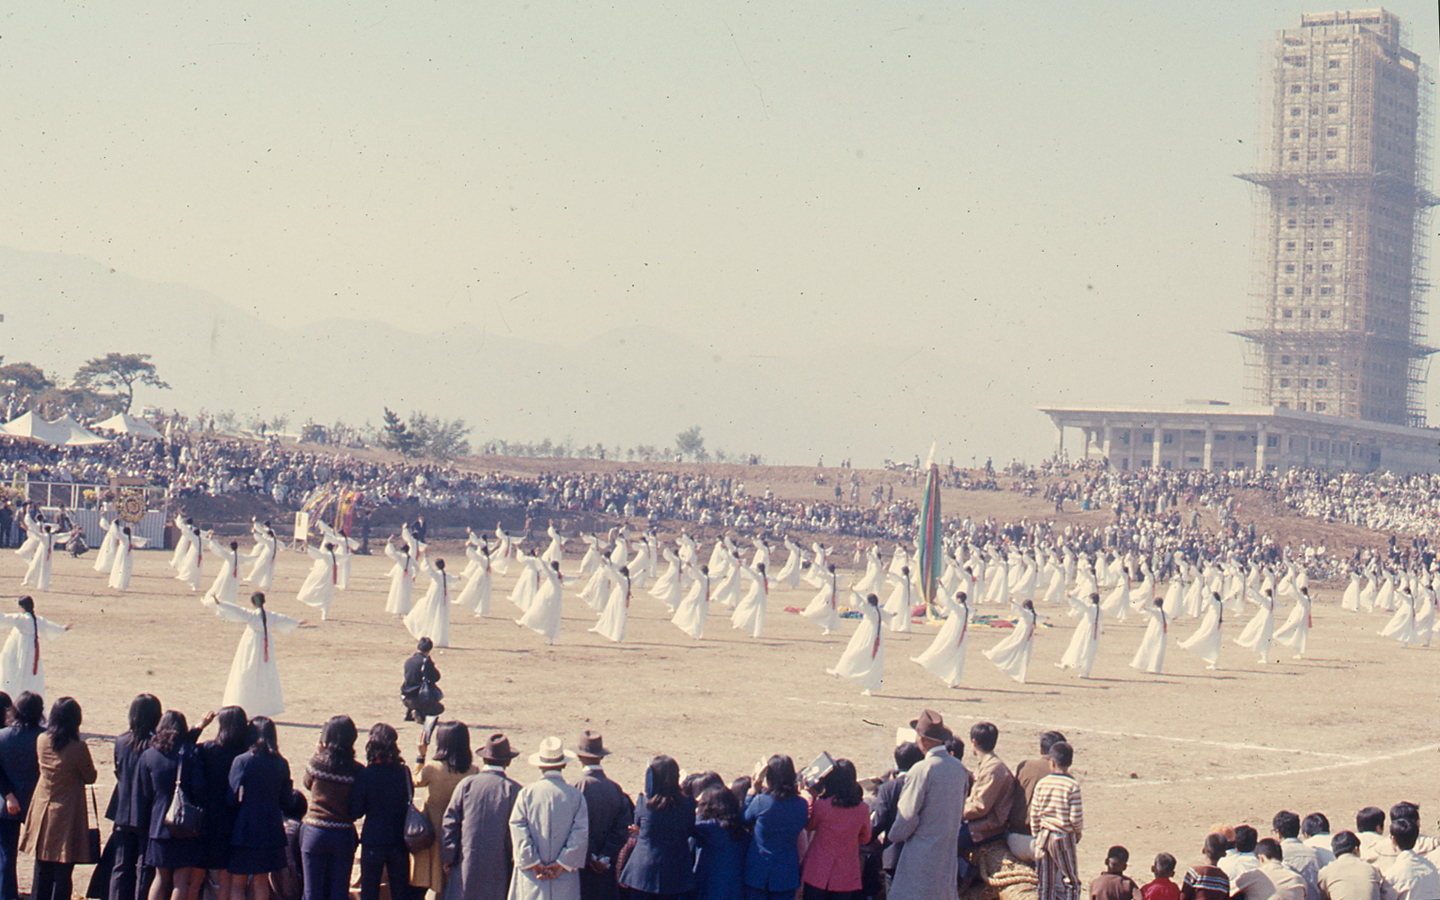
point(183, 819)
point(92, 834)
point(419, 833)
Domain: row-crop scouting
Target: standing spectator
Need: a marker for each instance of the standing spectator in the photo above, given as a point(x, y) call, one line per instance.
point(382, 797)
point(451, 763)
point(55, 826)
point(885, 804)
point(327, 847)
point(928, 818)
point(776, 814)
point(130, 877)
point(1349, 877)
point(474, 840)
point(167, 765)
point(1410, 876)
point(839, 825)
point(215, 760)
point(1057, 821)
point(661, 866)
point(19, 773)
point(611, 813)
point(549, 829)
point(720, 841)
point(260, 789)
point(1208, 881)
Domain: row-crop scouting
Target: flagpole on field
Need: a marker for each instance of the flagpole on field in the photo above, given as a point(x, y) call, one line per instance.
point(929, 543)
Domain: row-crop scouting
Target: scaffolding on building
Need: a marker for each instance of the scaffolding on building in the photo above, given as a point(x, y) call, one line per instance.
point(1338, 319)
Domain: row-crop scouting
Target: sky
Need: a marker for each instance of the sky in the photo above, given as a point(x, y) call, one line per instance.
point(1044, 189)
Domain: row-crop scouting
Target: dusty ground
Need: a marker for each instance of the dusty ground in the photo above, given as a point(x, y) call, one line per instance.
point(1160, 758)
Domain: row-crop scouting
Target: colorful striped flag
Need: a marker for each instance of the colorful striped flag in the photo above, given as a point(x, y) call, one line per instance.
point(929, 545)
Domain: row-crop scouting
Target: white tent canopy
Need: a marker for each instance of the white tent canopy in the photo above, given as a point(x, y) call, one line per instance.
point(37, 429)
point(124, 423)
point(77, 434)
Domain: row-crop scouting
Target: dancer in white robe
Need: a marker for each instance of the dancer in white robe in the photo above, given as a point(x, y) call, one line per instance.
point(640, 564)
point(318, 589)
point(1401, 626)
point(1209, 636)
point(182, 543)
point(1012, 655)
point(1296, 630)
point(1385, 598)
point(38, 572)
point(617, 604)
point(945, 657)
point(749, 613)
point(262, 569)
point(667, 588)
point(1351, 598)
point(824, 608)
point(789, 575)
point(105, 557)
point(1117, 602)
point(226, 586)
point(694, 609)
point(475, 596)
point(431, 616)
point(1259, 632)
point(555, 552)
point(815, 574)
point(727, 591)
point(1366, 600)
point(873, 579)
point(527, 583)
point(1150, 657)
point(192, 565)
point(898, 605)
point(254, 680)
point(345, 546)
point(504, 551)
point(863, 661)
point(1080, 654)
point(591, 560)
point(1424, 613)
point(124, 562)
point(543, 616)
point(22, 664)
point(402, 578)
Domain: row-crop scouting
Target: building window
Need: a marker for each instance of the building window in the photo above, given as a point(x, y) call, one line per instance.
point(1290, 267)
point(1332, 110)
point(1327, 245)
point(1295, 88)
point(1304, 382)
point(1334, 86)
point(1291, 223)
point(1289, 314)
point(1289, 292)
point(1284, 360)
point(1329, 201)
point(1334, 64)
point(1304, 360)
point(1289, 245)
point(1328, 223)
point(1319, 382)
point(1322, 360)
point(1319, 406)
point(1332, 132)
point(1284, 382)
point(1294, 155)
point(1300, 406)
point(1292, 201)
point(1294, 111)
point(1324, 313)
point(1326, 289)
point(1295, 134)
point(1332, 154)
point(1326, 267)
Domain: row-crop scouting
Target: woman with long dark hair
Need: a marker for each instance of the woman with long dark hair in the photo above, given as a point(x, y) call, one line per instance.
point(169, 764)
point(216, 757)
point(327, 848)
point(22, 665)
point(382, 796)
point(56, 823)
point(128, 880)
point(720, 841)
point(19, 771)
point(451, 761)
point(776, 814)
point(661, 866)
point(259, 788)
point(839, 824)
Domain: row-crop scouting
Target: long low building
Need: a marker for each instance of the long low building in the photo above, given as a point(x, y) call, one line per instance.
point(1215, 435)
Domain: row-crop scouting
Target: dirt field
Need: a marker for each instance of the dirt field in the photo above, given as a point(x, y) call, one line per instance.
point(1160, 758)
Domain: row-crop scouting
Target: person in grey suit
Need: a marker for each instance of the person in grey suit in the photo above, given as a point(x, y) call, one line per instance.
point(611, 812)
point(927, 817)
point(475, 833)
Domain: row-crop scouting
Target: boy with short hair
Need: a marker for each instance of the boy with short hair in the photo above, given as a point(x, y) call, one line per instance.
point(1115, 884)
point(1057, 820)
point(1162, 888)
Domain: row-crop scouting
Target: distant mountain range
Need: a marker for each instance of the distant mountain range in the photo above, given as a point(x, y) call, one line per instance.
point(625, 387)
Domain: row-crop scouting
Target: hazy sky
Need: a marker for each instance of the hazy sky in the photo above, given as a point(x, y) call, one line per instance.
point(1042, 187)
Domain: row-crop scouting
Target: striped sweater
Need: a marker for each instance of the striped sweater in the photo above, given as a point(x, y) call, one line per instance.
point(1056, 806)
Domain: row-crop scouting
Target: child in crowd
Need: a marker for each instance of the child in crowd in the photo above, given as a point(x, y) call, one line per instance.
point(1115, 884)
point(1162, 888)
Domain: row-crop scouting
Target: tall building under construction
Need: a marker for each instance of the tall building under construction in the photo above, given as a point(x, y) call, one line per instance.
point(1337, 319)
point(1336, 349)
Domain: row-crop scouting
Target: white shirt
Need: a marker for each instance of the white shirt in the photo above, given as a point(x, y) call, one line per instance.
point(1235, 863)
point(1411, 877)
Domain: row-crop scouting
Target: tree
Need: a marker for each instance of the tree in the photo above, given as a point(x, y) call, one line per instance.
point(689, 443)
point(23, 378)
point(119, 372)
point(439, 439)
point(397, 436)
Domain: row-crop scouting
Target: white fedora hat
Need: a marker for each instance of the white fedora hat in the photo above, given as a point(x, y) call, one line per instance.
point(552, 753)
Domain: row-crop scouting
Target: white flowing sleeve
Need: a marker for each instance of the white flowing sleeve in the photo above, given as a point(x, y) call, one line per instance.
point(281, 624)
point(227, 611)
point(48, 629)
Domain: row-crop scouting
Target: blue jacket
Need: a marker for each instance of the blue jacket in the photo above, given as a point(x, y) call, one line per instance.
point(259, 784)
point(382, 795)
point(719, 862)
point(661, 861)
point(126, 809)
point(773, 862)
point(19, 766)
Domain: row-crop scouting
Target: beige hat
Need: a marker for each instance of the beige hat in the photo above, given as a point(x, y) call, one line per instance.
point(552, 753)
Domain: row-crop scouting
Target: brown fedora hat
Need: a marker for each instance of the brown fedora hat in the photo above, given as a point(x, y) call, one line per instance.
point(931, 725)
point(592, 744)
point(497, 748)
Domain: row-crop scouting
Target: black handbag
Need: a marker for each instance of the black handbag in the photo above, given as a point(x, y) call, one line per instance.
point(92, 834)
point(183, 819)
point(419, 833)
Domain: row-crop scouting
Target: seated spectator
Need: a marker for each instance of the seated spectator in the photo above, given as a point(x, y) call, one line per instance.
point(1269, 879)
point(1208, 881)
point(1242, 857)
point(1114, 884)
point(1349, 877)
point(1410, 876)
point(1163, 887)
